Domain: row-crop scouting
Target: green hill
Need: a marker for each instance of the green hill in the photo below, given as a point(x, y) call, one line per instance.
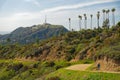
point(25, 35)
point(42, 58)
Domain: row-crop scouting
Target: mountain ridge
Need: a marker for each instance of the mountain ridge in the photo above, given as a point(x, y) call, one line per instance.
point(30, 34)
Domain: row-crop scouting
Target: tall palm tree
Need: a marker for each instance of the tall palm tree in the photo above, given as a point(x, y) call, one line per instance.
point(85, 22)
point(80, 18)
point(98, 17)
point(106, 14)
point(103, 15)
point(108, 18)
point(70, 24)
point(91, 20)
point(113, 16)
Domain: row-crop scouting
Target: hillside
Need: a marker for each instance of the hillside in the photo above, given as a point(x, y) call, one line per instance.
point(85, 46)
point(31, 34)
point(63, 74)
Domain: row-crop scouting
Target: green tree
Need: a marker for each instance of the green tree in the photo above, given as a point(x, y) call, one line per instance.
point(107, 18)
point(113, 16)
point(98, 17)
point(37, 40)
point(70, 24)
point(103, 15)
point(80, 18)
point(91, 20)
point(85, 21)
point(8, 40)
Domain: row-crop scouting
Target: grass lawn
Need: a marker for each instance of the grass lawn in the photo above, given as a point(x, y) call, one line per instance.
point(64, 74)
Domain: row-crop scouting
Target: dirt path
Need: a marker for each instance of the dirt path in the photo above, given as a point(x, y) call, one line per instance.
point(81, 67)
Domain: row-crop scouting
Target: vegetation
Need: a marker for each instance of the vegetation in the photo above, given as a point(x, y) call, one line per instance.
point(45, 58)
point(27, 70)
point(32, 34)
point(69, 46)
point(63, 74)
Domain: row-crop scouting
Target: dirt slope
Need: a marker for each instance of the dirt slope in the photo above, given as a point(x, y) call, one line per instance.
point(81, 67)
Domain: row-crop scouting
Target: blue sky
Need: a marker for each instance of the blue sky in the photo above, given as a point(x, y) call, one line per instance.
point(16, 13)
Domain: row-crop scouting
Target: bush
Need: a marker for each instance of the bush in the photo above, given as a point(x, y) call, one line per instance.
point(49, 64)
point(58, 67)
point(35, 65)
point(15, 67)
point(54, 78)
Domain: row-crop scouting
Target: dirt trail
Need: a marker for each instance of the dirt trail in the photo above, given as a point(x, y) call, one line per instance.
point(83, 67)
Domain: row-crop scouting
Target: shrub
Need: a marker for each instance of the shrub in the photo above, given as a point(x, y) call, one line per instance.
point(68, 58)
point(54, 78)
point(15, 67)
point(35, 65)
point(58, 67)
point(49, 64)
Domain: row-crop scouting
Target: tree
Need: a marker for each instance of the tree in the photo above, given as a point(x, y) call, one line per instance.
point(70, 24)
point(80, 18)
point(113, 16)
point(98, 17)
point(37, 40)
point(103, 15)
point(91, 20)
point(107, 18)
point(85, 22)
point(8, 40)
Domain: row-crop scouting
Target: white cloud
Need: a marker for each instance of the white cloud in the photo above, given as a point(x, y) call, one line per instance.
point(59, 17)
point(35, 2)
point(80, 5)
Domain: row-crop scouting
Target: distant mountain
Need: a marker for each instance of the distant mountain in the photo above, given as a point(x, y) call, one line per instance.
point(31, 34)
point(4, 32)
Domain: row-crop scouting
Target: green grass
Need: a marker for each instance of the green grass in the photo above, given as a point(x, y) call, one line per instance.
point(45, 71)
point(85, 61)
point(82, 75)
point(9, 70)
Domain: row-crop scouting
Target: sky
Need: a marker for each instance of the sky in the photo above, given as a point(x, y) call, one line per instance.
point(24, 13)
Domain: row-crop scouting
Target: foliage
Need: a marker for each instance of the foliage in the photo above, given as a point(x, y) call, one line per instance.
point(32, 34)
point(82, 75)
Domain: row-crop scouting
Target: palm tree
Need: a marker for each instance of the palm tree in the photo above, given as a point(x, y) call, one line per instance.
point(70, 24)
point(106, 14)
point(80, 18)
point(91, 20)
point(98, 17)
point(107, 18)
point(103, 15)
point(85, 22)
point(113, 16)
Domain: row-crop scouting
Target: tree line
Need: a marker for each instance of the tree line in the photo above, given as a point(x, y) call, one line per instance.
point(105, 23)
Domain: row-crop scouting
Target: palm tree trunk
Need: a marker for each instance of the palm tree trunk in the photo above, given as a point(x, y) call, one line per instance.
point(80, 24)
point(70, 25)
point(108, 21)
point(85, 23)
point(103, 17)
point(98, 23)
point(91, 22)
point(113, 19)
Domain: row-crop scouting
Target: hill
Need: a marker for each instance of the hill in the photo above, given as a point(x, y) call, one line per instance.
point(31, 34)
point(63, 74)
point(39, 59)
